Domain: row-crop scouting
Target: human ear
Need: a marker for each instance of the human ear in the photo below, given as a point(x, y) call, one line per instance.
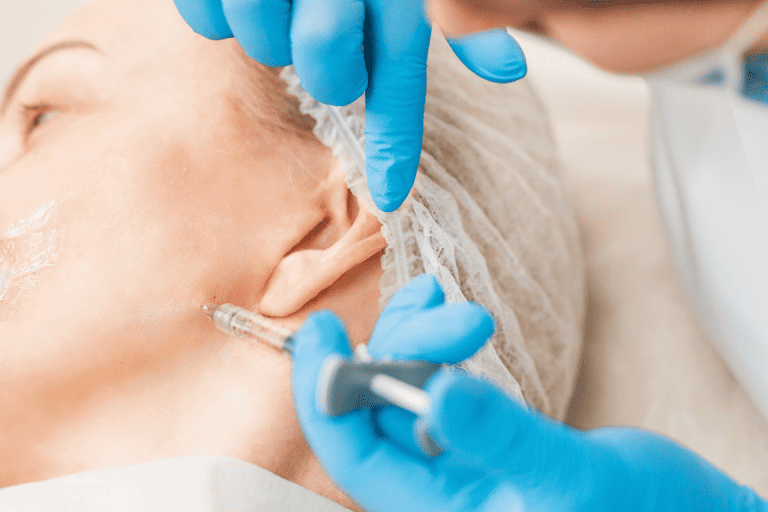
point(348, 235)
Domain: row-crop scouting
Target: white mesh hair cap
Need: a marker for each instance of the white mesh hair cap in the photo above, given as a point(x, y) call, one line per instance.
point(488, 216)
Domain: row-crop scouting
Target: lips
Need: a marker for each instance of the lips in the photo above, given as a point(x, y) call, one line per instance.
point(27, 247)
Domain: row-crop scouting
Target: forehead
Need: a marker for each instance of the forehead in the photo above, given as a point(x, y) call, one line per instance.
point(131, 29)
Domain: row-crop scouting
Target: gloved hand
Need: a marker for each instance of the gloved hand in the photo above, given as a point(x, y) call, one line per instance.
point(498, 455)
point(324, 40)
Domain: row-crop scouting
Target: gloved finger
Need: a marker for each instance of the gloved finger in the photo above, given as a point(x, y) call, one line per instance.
point(493, 430)
point(205, 17)
point(347, 447)
point(327, 39)
point(262, 29)
point(444, 334)
point(398, 425)
point(423, 292)
point(396, 46)
point(493, 55)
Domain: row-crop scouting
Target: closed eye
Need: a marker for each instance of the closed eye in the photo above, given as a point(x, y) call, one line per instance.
point(35, 115)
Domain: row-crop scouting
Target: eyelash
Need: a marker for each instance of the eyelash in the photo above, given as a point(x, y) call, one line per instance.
point(32, 115)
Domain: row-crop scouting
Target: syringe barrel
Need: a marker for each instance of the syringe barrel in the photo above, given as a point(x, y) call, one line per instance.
point(245, 324)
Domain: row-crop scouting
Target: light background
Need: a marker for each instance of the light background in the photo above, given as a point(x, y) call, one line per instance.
point(646, 363)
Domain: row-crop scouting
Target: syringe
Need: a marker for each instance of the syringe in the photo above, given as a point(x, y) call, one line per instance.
point(344, 385)
point(245, 324)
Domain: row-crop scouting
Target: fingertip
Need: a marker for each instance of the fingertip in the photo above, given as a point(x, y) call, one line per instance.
point(261, 28)
point(446, 333)
point(493, 55)
point(423, 292)
point(394, 132)
point(522, 70)
point(473, 327)
point(337, 94)
point(386, 203)
point(390, 178)
point(484, 323)
point(428, 288)
point(322, 317)
point(322, 320)
point(205, 17)
point(275, 59)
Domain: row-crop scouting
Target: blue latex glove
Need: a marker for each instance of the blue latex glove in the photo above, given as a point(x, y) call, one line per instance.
point(756, 78)
point(498, 455)
point(324, 41)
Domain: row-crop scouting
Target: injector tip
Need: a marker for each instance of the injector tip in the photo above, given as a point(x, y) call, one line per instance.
point(209, 309)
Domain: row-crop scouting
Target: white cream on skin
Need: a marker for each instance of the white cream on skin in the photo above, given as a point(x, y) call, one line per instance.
point(27, 247)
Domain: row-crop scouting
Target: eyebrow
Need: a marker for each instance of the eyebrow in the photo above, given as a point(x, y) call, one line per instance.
point(23, 71)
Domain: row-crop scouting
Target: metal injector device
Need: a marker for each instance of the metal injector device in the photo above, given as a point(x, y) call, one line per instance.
point(344, 385)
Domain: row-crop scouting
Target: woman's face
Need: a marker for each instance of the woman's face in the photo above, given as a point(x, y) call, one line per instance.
point(165, 196)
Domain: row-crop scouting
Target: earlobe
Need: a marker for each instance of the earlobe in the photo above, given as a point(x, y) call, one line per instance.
point(314, 264)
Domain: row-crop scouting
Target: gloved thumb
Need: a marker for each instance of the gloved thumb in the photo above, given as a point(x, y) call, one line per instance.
point(416, 324)
point(491, 429)
point(493, 55)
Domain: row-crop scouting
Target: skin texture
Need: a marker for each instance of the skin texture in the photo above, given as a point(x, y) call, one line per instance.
point(613, 35)
point(175, 197)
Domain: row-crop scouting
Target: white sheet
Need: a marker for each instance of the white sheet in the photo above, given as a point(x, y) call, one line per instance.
point(186, 484)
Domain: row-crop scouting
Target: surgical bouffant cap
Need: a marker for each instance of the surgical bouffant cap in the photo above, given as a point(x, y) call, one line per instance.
point(488, 216)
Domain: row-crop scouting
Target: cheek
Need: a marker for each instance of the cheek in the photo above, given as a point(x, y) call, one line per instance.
point(114, 302)
point(100, 273)
point(228, 202)
point(162, 221)
point(28, 247)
